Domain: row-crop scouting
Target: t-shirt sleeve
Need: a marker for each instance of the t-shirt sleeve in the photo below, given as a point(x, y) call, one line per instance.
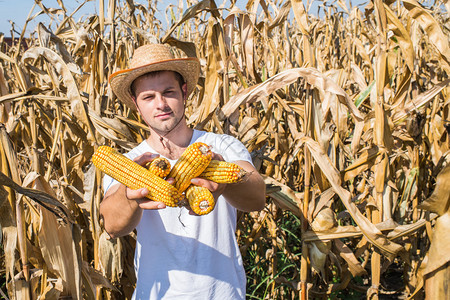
point(232, 149)
point(108, 182)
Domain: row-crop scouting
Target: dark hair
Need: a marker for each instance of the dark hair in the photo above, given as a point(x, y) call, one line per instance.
point(178, 77)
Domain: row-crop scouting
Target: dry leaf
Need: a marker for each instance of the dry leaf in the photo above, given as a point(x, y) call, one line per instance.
point(439, 201)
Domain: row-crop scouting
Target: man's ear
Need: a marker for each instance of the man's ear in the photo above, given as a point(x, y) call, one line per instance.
point(184, 89)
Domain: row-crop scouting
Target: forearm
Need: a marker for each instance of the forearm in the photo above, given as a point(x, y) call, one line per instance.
point(120, 214)
point(248, 195)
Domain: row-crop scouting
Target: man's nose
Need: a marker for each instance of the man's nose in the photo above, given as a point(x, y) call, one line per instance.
point(160, 100)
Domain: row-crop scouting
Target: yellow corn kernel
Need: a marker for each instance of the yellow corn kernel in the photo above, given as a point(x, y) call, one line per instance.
point(160, 167)
point(134, 176)
point(223, 172)
point(191, 164)
point(200, 199)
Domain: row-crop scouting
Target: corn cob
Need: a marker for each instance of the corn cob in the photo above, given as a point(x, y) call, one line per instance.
point(160, 167)
point(135, 176)
point(191, 164)
point(223, 172)
point(200, 199)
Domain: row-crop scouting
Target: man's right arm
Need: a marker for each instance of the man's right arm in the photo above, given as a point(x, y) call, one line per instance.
point(121, 209)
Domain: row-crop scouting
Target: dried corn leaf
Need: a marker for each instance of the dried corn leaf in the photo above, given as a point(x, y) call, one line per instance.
point(77, 104)
point(419, 101)
point(53, 290)
point(439, 201)
point(8, 233)
point(45, 36)
point(59, 245)
point(97, 278)
point(261, 91)
point(248, 46)
point(40, 197)
point(431, 26)
point(369, 230)
point(402, 37)
point(439, 253)
point(346, 253)
point(318, 252)
point(300, 16)
point(364, 162)
point(214, 69)
point(286, 198)
point(191, 12)
point(110, 253)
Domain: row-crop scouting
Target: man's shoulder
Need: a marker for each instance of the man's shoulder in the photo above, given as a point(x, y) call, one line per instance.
point(226, 145)
point(217, 139)
point(138, 150)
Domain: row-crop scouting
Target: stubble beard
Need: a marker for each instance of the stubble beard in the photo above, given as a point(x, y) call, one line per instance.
point(164, 129)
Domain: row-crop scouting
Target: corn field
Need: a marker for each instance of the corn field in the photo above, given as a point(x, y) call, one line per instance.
point(346, 113)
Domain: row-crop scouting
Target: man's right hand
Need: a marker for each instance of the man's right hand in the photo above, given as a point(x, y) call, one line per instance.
point(140, 195)
point(122, 207)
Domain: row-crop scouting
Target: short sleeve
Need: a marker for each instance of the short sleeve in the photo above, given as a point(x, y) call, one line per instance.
point(234, 150)
point(228, 146)
point(108, 182)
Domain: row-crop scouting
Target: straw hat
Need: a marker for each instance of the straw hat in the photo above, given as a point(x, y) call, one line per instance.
point(149, 58)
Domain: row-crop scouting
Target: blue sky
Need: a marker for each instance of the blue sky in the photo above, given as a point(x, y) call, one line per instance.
point(18, 10)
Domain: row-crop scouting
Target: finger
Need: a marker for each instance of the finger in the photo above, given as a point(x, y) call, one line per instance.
point(217, 156)
point(145, 158)
point(171, 180)
point(151, 204)
point(136, 194)
point(201, 182)
point(214, 187)
point(192, 213)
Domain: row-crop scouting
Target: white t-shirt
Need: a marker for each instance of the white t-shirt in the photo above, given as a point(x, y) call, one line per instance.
point(183, 256)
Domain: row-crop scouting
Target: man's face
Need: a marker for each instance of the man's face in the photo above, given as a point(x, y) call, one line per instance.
point(160, 100)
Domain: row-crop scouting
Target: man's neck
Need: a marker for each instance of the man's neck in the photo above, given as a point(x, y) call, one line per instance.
point(173, 144)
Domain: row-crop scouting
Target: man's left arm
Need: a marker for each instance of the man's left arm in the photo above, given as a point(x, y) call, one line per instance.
point(250, 194)
point(247, 195)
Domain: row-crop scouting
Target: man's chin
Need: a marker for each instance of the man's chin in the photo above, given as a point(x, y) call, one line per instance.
point(162, 130)
point(165, 126)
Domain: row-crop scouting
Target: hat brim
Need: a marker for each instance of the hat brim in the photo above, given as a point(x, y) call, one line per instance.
point(121, 81)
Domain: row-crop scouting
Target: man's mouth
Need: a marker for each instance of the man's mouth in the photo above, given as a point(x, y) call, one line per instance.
point(164, 115)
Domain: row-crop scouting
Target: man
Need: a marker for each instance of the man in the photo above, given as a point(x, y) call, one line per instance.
point(179, 255)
